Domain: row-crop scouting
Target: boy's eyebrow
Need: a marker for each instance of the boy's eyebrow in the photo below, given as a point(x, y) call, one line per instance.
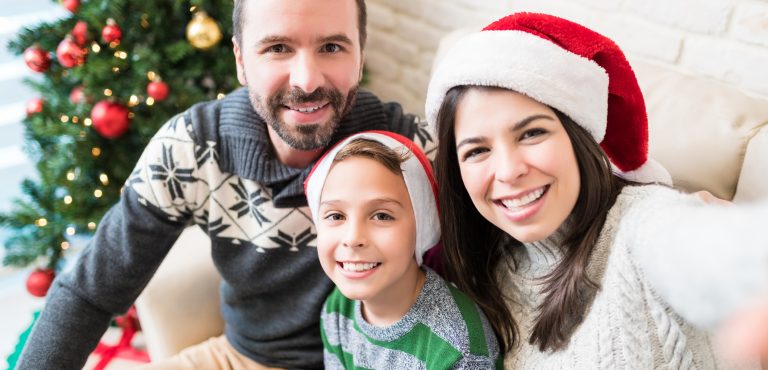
point(375, 200)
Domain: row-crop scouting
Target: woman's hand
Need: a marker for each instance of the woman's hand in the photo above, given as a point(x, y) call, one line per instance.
point(743, 338)
point(707, 197)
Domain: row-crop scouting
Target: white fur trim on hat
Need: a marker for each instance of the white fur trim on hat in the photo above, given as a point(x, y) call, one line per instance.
point(527, 64)
point(650, 172)
point(416, 179)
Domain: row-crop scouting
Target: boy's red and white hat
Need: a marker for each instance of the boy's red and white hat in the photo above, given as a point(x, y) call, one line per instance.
point(565, 66)
point(418, 176)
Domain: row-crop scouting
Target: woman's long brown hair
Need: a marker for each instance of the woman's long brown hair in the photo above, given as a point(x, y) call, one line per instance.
point(474, 248)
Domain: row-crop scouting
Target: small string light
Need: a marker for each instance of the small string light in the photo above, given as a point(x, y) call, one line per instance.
point(68, 199)
point(95, 47)
point(114, 44)
point(87, 122)
point(64, 245)
point(41, 222)
point(220, 96)
point(193, 8)
point(151, 75)
point(92, 226)
point(131, 114)
point(70, 230)
point(150, 101)
point(133, 101)
point(64, 119)
point(107, 92)
point(75, 119)
point(98, 193)
point(104, 179)
point(70, 176)
point(95, 151)
point(121, 54)
point(116, 69)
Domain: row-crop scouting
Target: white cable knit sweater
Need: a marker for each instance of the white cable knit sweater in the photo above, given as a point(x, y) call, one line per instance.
point(669, 267)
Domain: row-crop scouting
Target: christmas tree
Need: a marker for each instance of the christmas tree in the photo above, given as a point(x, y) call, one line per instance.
point(113, 72)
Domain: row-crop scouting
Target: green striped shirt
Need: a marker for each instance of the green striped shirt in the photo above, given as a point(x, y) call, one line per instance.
point(444, 329)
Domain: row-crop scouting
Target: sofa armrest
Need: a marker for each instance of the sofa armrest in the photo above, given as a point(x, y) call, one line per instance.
point(180, 305)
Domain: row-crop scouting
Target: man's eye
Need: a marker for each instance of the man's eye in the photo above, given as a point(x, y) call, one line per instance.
point(279, 48)
point(331, 48)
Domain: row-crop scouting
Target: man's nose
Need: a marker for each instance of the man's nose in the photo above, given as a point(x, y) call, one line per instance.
point(306, 73)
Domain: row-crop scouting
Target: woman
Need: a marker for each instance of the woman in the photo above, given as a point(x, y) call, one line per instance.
point(576, 261)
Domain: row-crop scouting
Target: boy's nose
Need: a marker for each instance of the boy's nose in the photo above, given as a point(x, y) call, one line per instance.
point(354, 236)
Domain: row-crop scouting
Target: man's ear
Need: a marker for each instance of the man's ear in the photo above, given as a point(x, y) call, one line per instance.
point(239, 62)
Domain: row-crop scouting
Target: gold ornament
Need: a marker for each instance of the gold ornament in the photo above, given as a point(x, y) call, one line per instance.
point(202, 31)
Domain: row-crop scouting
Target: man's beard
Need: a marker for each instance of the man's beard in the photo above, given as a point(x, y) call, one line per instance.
point(304, 137)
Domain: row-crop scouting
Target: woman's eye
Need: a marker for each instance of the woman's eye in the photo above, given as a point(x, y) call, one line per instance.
point(473, 153)
point(331, 48)
point(381, 216)
point(534, 132)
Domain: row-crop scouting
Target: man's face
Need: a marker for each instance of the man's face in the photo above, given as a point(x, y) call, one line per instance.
point(302, 62)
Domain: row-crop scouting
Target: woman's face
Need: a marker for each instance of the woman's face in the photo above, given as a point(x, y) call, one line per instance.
point(516, 161)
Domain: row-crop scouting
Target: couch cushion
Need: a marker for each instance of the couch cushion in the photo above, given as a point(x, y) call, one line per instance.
point(698, 127)
point(753, 182)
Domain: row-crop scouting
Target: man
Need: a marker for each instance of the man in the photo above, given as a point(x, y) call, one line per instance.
point(236, 168)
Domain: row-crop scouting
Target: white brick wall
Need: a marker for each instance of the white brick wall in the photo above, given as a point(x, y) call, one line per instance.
point(722, 39)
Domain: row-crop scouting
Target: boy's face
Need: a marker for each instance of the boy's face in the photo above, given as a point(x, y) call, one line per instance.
point(302, 63)
point(367, 232)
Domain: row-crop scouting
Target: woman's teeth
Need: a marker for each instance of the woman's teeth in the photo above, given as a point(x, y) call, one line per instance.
point(524, 200)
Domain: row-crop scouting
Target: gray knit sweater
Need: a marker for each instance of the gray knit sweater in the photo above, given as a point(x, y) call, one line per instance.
point(670, 269)
point(211, 166)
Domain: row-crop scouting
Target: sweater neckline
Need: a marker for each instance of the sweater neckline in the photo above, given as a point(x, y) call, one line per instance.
point(408, 321)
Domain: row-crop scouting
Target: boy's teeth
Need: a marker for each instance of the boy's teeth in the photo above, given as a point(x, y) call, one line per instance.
point(526, 199)
point(357, 267)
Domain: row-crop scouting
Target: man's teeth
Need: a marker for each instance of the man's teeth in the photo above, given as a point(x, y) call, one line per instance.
point(524, 200)
point(357, 267)
point(308, 110)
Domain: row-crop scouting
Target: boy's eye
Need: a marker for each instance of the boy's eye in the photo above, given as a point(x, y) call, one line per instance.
point(331, 48)
point(381, 216)
point(334, 217)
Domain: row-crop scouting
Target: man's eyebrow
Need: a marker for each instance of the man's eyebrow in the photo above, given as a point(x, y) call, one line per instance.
point(273, 39)
point(338, 38)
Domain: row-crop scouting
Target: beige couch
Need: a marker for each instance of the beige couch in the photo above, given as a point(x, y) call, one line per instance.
point(709, 136)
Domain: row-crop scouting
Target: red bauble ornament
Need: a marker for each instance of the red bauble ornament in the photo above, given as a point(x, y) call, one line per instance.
point(34, 106)
point(158, 90)
point(80, 33)
point(77, 95)
point(110, 119)
point(39, 281)
point(36, 58)
point(70, 54)
point(71, 5)
point(111, 32)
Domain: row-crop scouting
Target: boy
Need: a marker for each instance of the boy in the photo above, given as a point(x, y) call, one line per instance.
point(373, 201)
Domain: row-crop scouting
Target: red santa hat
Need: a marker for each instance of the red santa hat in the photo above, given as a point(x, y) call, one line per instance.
point(565, 66)
point(416, 171)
